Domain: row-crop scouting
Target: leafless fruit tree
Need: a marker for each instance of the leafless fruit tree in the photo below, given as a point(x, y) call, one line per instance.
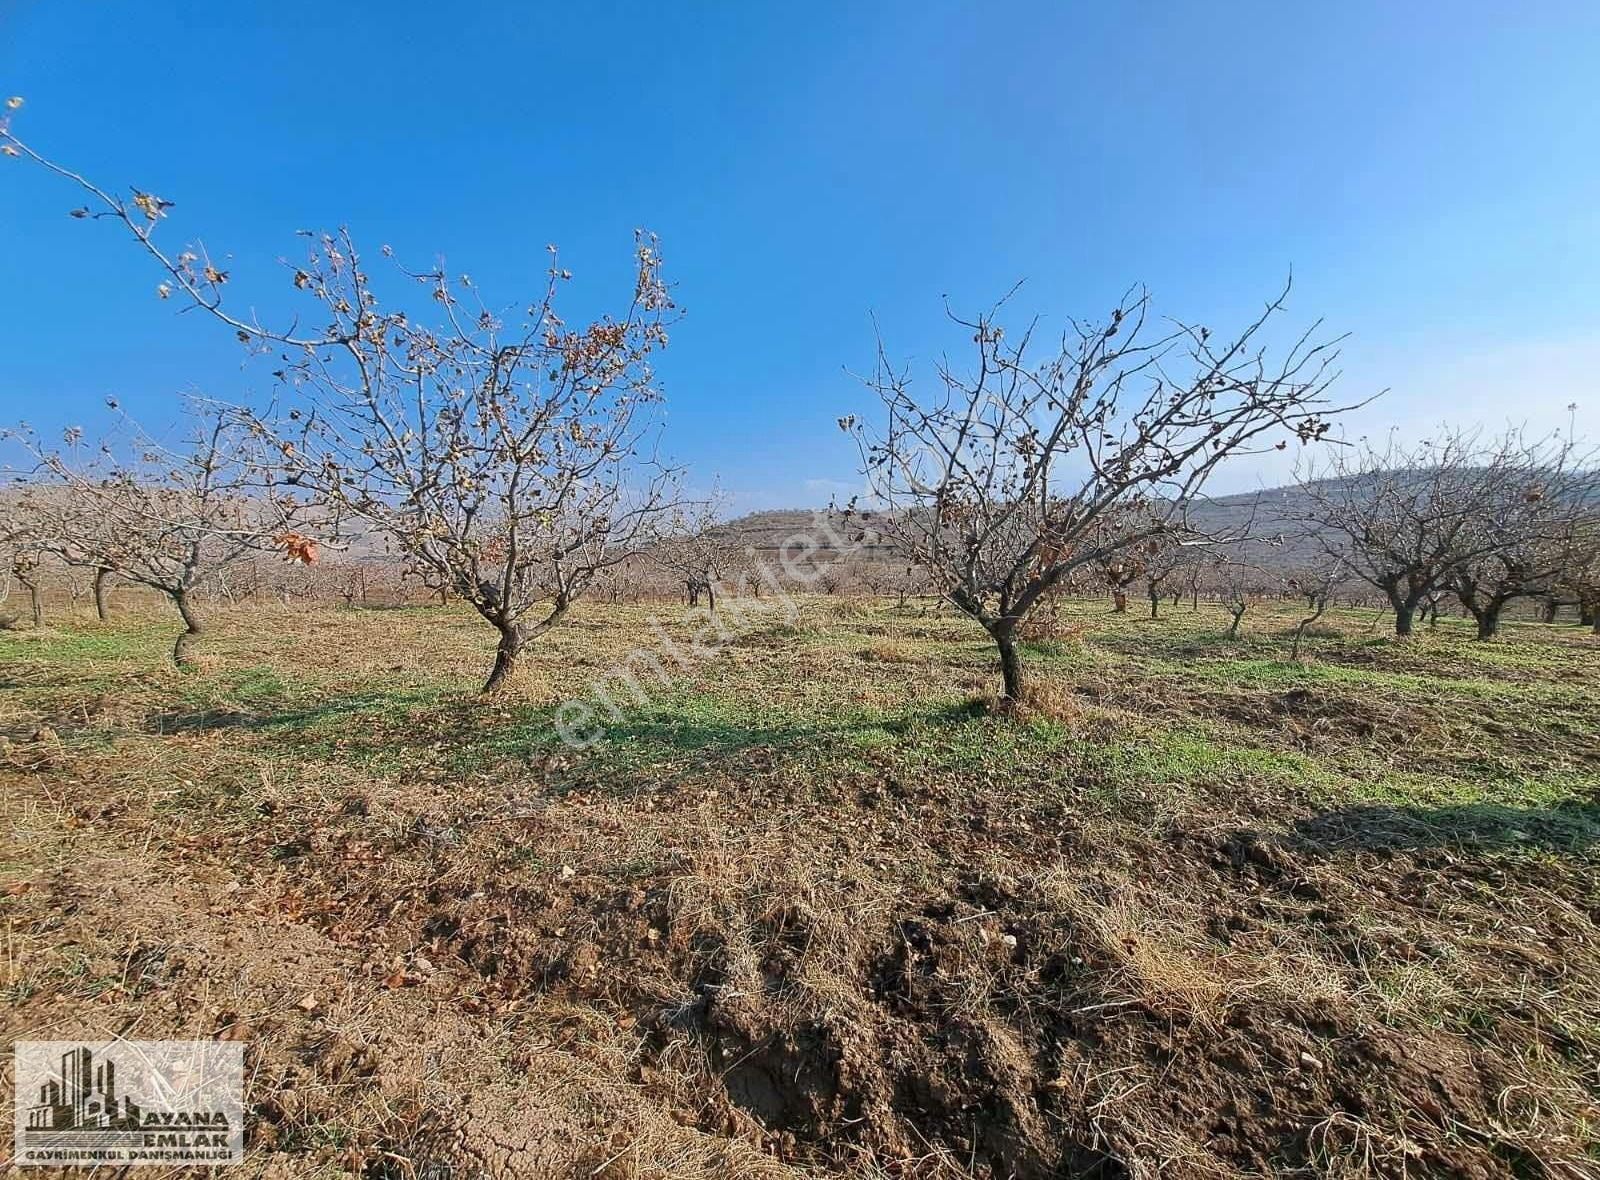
point(1317, 583)
point(1398, 515)
point(1531, 494)
point(700, 551)
point(1239, 579)
point(20, 551)
point(27, 524)
point(1164, 558)
point(1450, 513)
point(1152, 561)
point(886, 575)
point(1005, 477)
point(163, 517)
point(1119, 570)
point(509, 457)
point(510, 464)
point(1581, 577)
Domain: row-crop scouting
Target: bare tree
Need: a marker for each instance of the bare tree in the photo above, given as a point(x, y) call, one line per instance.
point(509, 457)
point(1235, 600)
point(1153, 561)
point(699, 549)
point(891, 575)
point(7, 576)
point(1581, 577)
point(1399, 516)
point(166, 518)
point(1317, 584)
point(21, 550)
point(1119, 571)
point(1239, 583)
point(1006, 477)
point(621, 582)
point(510, 466)
point(1194, 577)
point(68, 512)
point(1530, 494)
point(1428, 611)
point(1487, 522)
point(1164, 557)
point(881, 578)
point(25, 569)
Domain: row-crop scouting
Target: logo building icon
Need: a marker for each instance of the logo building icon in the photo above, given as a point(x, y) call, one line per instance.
point(129, 1103)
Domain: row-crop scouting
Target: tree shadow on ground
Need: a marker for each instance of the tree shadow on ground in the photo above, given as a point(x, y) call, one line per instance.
point(730, 737)
point(1153, 640)
point(178, 721)
point(1567, 827)
point(470, 736)
point(202, 721)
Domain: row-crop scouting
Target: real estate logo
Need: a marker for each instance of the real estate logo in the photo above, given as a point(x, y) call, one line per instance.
point(120, 1103)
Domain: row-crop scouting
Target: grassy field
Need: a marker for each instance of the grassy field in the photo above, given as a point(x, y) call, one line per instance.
point(813, 907)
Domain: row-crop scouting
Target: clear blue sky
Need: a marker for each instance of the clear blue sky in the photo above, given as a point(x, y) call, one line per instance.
point(1430, 171)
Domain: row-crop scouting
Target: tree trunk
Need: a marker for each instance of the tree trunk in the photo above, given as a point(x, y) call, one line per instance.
point(1551, 606)
point(512, 639)
point(1319, 607)
point(1233, 627)
point(1405, 614)
point(1488, 620)
point(1119, 602)
point(36, 603)
point(1155, 604)
point(711, 599)
point(1010, 663)
point(1294, 645)
point(192, 627)
point(102, 608)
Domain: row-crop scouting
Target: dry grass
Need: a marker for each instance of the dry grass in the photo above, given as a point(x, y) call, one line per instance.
point(808, 910)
